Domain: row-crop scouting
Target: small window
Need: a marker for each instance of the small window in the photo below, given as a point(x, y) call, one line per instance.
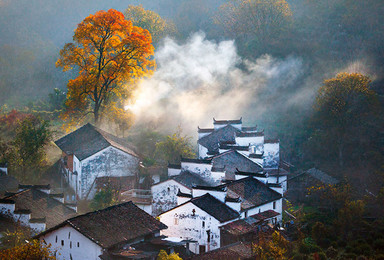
point(176, 221)
point(246, 214)
point(78, 244)
point(203, 224)
point(274, 205)
point(69, 235)
point(70, 244)
point(56, 239)
point(259, 210)
point(169, 190)
point(193, 212)
point(62, 242)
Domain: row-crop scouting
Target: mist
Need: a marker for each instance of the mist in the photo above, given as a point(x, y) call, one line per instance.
point(200, 79)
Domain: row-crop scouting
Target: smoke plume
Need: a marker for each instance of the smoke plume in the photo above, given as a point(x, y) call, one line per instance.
point(201, 79)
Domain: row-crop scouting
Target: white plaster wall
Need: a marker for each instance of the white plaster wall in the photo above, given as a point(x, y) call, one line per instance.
point(200, 168)
point(202, 151)
point(234, 205)
point(220, 195)
point(249, 140)
point(108, 162)
point(218, 176)
point(282, 180)
point(181, 200)
point(182, 223)
point(218, 126)
point(156, 178)
point(271, 157)
point(87, 249)
point(265, 207)
point(23, 218)
point(37, 227)
point(278, 189)
point(146, 208)
point(173, 172)
point(164, 195)
point(7, 208)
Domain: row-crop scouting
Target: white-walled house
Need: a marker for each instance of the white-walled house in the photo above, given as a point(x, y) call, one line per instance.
point(198, 220)
point(199, 215)
point(164, 194)
point(35, 207)
point(90, 235)
point(89, 154)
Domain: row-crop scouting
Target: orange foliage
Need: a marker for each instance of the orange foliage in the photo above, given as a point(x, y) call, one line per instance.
point(31, 251)
point(110, 54)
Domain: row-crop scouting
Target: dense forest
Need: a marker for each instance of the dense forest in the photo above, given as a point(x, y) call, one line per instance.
point(308, 72)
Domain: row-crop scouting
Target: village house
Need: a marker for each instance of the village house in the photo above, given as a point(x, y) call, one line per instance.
point(93, 159)
point(232, 150)
point(182, 178)
point(35, 207)
point(199, 215)
point(103, 232)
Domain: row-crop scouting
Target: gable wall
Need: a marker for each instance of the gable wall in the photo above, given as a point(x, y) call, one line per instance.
point(108, 162)
point(183, 223)
point(70, 236)
point(164, 199)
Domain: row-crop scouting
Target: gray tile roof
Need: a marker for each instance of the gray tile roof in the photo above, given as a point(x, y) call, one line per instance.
point(224, 134)
point(191, 179)
point(41, 205)
point(113, 225)
point(88, 140)
point(253, 192)
point(233, 160)
point(215, 207)
point(321, 176)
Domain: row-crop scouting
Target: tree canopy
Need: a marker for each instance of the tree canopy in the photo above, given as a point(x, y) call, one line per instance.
point(254, 22)
point(110, 54)
point(150, 20)
point(345, 112)
point(173, 147)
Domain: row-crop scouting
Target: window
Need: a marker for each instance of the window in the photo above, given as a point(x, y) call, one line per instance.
point(69, 235)
point(62, 242)
point(259, 210)
point(274, 205)
point(70, 244)
point(246, 214)
point(176, 221)
point(78, 244)
point(203, 224)
point(169, 190)
point(193, 212)
point(56, 239)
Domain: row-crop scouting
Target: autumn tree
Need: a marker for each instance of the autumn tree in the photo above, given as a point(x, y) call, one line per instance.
point(345, 112)
point(254, 22)
point(173, 147)
point(33, 250)
point(147, 19)
point(109, 54)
